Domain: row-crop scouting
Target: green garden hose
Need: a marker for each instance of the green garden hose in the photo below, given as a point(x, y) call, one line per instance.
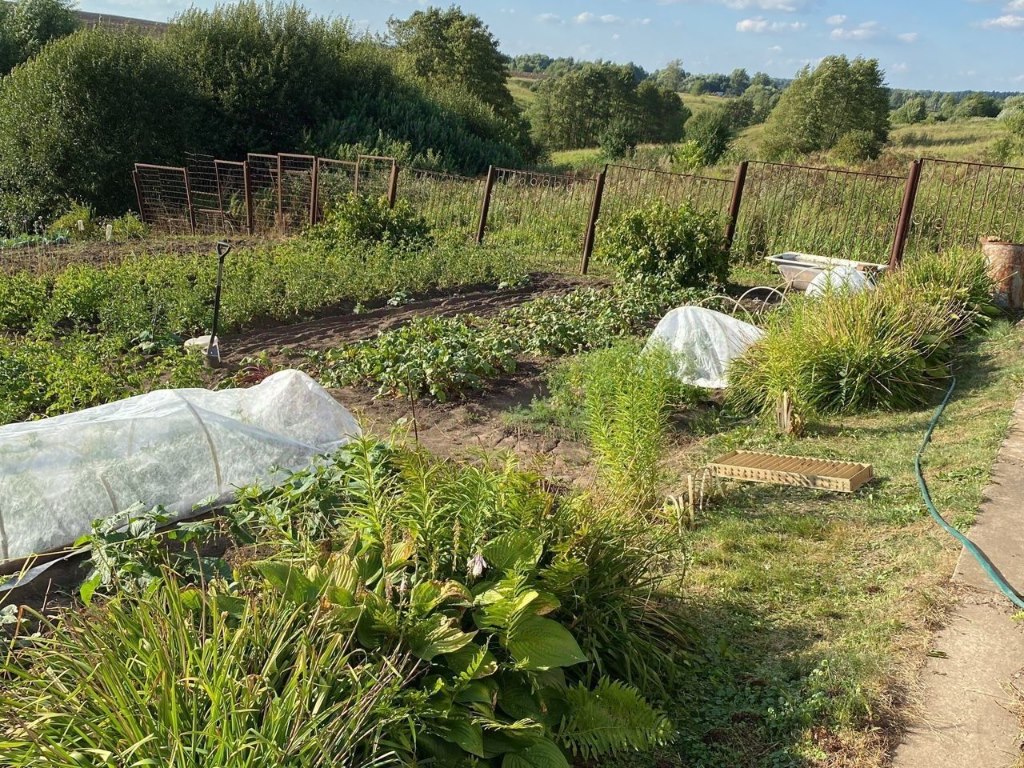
point(986, 565)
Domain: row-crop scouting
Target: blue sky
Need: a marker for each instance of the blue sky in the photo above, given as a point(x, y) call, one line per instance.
point(941, 44)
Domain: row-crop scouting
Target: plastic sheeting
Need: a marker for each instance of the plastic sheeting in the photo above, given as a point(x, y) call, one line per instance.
point(704, 342)
point(176, 448)
point(839, 279)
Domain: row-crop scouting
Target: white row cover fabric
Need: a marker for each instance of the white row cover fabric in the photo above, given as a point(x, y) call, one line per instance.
point(839, 279)
point(704, 342)
point(175, 447)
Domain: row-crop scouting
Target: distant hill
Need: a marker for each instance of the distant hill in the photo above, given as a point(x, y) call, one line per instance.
point(109, 20)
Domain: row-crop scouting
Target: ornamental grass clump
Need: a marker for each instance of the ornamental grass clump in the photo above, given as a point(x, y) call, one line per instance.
point(841, 354)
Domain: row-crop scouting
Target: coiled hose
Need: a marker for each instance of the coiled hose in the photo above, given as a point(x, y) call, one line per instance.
point(986, 565)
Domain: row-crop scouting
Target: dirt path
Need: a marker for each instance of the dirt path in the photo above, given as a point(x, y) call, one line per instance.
point(341, 326)
point(969, 710)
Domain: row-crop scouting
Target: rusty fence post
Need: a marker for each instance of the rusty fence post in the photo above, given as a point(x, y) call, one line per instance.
point(188, 201)
point(314, 193)
point(485, 205)
point(393, 184)
point(247, 183)
point(735, 204)
point(899, 243)
point(595, 212)
point(138, 196)
point(355, 179)
point(280, 196)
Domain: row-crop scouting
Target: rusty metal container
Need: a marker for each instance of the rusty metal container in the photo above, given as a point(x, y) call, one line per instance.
point(1006, 268)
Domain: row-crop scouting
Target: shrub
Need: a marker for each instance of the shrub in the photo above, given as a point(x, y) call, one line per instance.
point(843, 354)
point(681, 244)
point(128, 227)
point(626, 396)
point(361, 219)
point(75, 118)
point(712, 131)
point(955, 281)
point(857, 147)
point(77, 223)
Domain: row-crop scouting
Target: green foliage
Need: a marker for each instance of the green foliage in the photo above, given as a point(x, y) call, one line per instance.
point(445, 357)
point(360, 219)
point(822, 105)
point(712, 131)
point(977, 105)
point(683, 245)
point(886, 349)
point(577, 108)
point(264, 72)
point(27, 25)
point(75, 118)
point(128, 227)
point(855, 147)
point(912, 112)
point(77, 223)
point(441, 357)
point(626, 395)
point(458, 48)
point(402, 607)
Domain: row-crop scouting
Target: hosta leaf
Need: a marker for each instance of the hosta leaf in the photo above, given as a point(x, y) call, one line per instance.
point(537, 643)
point(290, 581)
point(468, 736)
point(542, 754)
point(436, 635)
point(516, 550)
point(472, 662)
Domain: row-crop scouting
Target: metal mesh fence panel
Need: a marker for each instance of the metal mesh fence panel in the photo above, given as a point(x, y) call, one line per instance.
point(450, 204)
point(958, 203)
point(335, 180)
point(543, 214)
point(263, 192)
point(628, 188)
point(165, 198)
point(231, 203)
point(296, 189)
point(829, 212)
point(373, 175)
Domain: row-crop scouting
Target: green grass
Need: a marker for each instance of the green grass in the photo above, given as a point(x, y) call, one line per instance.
point(958, 140)
point(816, 608)
point(519, 87)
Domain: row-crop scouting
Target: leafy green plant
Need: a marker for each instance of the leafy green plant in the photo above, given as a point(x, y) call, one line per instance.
point(77, 223)
point(127, 228)
point(438, 356)
point(681, 244)
point(436, 621)
point(956, 281)
point(842, 354)
point(364, 219)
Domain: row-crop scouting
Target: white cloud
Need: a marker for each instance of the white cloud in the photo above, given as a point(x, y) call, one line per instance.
point(908, 37)
point(776, 49)
point(761, 25)
point(549, 18)
point(1016, 5)
point(610, 19)
point(864, 31)
point(836, 21)
point(784, 6)
point(592, 18)
point(585, 18)
point(1007, 21)
point(901, 67)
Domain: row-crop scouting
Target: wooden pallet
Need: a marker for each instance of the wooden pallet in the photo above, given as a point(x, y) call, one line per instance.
point(753, 467)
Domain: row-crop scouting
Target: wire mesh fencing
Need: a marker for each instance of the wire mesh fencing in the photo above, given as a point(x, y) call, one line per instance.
point(628, 188)
point(449, 203)
point(263, 191)
point(546, 215)
point(165, 200)
point(958, 203)
point(335, 179)
point(295, 191)
point(825, 211)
